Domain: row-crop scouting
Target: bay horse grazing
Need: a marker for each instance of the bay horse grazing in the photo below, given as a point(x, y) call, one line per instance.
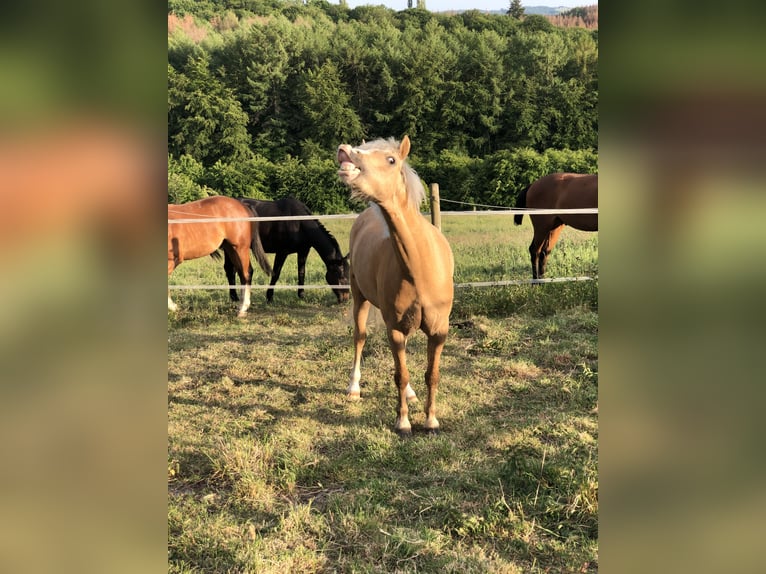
point(236, 238)
point(400, 263)
point(298, 236)
point(557, 191)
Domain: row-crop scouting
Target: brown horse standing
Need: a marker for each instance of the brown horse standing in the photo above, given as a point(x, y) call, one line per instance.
point(400, 263)
point(557, 191)
point(236, 238)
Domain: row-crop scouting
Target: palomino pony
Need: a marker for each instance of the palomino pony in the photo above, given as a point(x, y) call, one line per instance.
point(298, 236)
point(236, 238)
point(400, 263)
point(557, 191)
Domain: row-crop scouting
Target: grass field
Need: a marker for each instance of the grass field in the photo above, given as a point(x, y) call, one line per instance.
point(271, 469)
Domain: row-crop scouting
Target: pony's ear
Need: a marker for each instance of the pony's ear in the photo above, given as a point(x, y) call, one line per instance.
point(404, 147)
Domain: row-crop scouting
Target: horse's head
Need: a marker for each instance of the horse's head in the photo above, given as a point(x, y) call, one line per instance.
point(337, 274)
point(377, 171)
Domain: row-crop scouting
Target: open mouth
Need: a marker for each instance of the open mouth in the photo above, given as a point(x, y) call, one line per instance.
point(348, 171)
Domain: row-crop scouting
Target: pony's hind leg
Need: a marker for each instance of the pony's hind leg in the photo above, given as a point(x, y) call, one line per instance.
point(361, 311)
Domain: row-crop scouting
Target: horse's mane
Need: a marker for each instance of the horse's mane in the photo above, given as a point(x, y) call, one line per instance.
point(416, 193)
point(330, 236)
point(300, 208)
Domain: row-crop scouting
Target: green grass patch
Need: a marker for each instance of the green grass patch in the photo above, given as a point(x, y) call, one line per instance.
point(271, 469)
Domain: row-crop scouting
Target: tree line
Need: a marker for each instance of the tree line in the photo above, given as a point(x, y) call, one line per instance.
point(261, 92)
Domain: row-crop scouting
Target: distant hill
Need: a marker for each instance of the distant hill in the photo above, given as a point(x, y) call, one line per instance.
point(544, 10)
point(582, 17)
point(564, 17)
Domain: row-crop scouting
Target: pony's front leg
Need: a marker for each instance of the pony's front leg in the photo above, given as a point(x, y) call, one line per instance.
point(435, 346)
point(397, 340)
point(361, 310)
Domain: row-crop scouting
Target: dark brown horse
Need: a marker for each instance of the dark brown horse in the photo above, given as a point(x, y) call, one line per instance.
point(298, 236)
point(236, 238)
point(557, 191)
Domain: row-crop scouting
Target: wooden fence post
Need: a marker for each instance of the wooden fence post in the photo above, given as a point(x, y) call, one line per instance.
point(436, 213)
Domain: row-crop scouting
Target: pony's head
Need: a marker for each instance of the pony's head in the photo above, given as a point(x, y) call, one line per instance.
point(378, 171)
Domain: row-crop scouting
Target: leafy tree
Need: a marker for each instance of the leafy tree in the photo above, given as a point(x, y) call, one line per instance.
point(205, 120)
point(184, 175)
point(537, 22)
point(368, 57)
point(516, 10)
point(326, 104)
point(475, 96)
point(427, 65)
point(260, 92)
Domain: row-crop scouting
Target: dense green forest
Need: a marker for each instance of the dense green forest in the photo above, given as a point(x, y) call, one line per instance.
point(261, 92)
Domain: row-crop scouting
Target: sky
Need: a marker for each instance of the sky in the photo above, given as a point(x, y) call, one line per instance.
point(443, 5)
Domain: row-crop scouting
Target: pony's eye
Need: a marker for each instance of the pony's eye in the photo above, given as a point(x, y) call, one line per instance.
point(391, 160)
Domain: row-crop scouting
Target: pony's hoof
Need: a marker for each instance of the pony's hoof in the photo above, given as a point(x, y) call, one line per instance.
point(353, 396)
point(433, 432)
point(404, 433)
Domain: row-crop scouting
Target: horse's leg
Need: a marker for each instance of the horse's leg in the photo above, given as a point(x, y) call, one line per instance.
point(171, 306)
point(302, 256)
point(173, 262)
point(534, 255)
point(245, 270)
point(397, 341)
point(235, 256)
point(547, 247)
point(533, 258)
point(435, 346)
point(539, 225)
point(228, 267)
point(276, 269)
point(360, 312)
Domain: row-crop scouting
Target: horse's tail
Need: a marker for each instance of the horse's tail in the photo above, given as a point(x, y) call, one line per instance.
point(256, 246)
point(216, 255)
point(521, 201)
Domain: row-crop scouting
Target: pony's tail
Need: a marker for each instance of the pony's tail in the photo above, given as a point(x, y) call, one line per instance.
point(521, 201)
